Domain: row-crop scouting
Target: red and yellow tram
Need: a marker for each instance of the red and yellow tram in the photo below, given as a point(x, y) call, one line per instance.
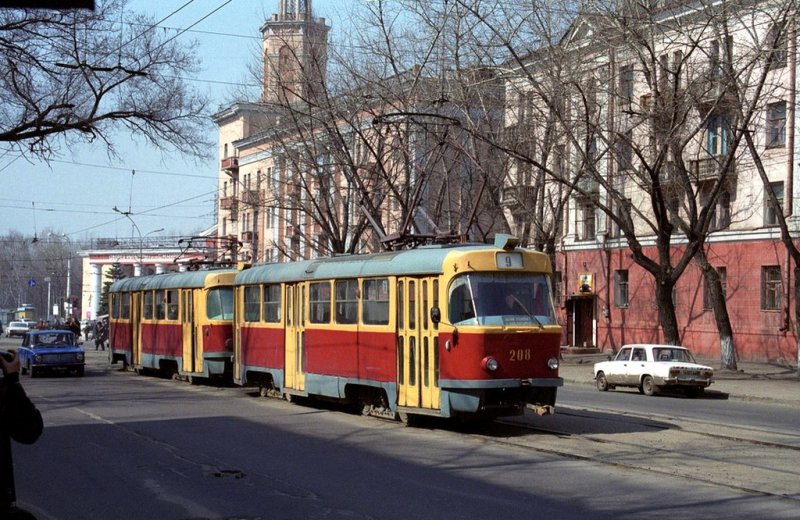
point(177, 323)
point(447, 330)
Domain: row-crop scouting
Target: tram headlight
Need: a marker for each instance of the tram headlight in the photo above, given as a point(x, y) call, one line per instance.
point(552, 363)
point(489, 364)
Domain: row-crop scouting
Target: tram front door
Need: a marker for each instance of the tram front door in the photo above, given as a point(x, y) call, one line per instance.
point(417, 345)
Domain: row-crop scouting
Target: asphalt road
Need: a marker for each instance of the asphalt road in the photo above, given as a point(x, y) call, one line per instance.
point(122, 446)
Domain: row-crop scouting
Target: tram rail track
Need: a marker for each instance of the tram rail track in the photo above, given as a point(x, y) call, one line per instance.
point(678, 448)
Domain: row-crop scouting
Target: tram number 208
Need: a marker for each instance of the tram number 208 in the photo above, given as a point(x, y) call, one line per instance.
point(520, 354)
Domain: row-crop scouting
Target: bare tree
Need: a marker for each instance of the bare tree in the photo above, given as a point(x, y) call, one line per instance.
point(72, 76)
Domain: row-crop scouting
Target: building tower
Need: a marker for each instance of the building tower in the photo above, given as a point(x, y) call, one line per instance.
point(295, 50)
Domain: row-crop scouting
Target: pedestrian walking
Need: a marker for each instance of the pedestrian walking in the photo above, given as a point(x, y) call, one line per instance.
point(75, 327)
point(100, 335)
point(19, 420)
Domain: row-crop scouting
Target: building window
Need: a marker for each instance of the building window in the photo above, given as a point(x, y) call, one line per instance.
point(626, 84)
point(586, 220)
point(776, 124)
point(720, 57)
point(771, 288)
point(624, 149)
point(722, 272)
point(557, 282)
point(718, 134)
point(777, 47)
point(621, 288)
point(720, 217)
point(772, 211)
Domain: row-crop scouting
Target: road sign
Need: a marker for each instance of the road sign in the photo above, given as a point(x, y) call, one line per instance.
point(31, 283)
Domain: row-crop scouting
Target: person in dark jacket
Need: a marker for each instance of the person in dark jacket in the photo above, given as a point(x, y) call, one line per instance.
point(19, 420)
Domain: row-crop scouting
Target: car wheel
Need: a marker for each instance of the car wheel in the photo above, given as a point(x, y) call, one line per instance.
point(602, 383)
point(648, 386)
point(79, 372)
point(32, 371)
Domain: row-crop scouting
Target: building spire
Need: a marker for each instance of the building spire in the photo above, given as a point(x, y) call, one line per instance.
point(295, 53)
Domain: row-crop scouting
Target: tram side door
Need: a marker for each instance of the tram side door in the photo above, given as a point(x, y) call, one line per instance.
point(294, 376)
point(417, 355)
point(237, 334)
point(188, 331)
point(136, 328)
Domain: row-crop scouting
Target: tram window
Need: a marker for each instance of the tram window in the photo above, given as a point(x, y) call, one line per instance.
point(252, 303)
point(346, 301)
point(375, 302)
point(148, 305)
point(125, 306)
point(319, 301)
point(435, 301)
point(412, 305)
point(426, 379)
point(412, 360)
point(272, 303)
point(219, 303)
point(501, 299)
point(159, 314)
point(114, 306)
point(460, 302)
point(401, 307)
point(172, 304)
point(425, 305)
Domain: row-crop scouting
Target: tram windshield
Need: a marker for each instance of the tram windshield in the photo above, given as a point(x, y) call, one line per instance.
point(501, 299)
point(219, 305)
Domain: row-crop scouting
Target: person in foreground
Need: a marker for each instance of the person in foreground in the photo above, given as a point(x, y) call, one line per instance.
point(19, 420)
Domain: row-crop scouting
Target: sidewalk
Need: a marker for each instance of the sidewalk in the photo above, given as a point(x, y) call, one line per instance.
point(753, 381)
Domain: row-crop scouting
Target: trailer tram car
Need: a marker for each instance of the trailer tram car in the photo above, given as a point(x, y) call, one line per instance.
point(448, 330)
point(180, 324)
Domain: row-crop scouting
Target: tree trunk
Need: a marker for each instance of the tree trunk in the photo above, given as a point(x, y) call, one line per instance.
point(666, 311)
point(727, 346)
point(797, 311)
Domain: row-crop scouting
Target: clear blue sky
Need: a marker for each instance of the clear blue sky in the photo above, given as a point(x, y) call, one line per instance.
point(74, 194)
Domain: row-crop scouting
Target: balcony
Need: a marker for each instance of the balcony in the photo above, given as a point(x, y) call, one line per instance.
point(228, 203)
point(230, 165)
point(518, 195)
point(710, 89)
point(252, 197)
point(587, 183)
point(708, 169)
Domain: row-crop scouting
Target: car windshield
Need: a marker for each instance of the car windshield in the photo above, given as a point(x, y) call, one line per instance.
point(58, 339)
point(668, 354)
point(501, 299)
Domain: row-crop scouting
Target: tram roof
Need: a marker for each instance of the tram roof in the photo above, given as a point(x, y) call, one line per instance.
point(421, 260)
point(186, 280)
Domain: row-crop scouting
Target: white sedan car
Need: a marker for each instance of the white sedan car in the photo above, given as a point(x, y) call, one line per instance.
point(17, 328)
point(653, 367)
